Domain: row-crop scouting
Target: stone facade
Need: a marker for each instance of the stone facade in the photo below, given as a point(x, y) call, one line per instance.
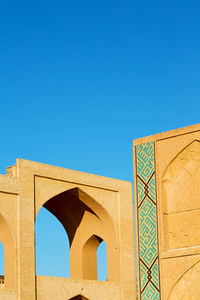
point(167, 206)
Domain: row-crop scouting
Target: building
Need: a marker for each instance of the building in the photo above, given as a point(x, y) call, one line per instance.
point(93, 208)
point(167, 193)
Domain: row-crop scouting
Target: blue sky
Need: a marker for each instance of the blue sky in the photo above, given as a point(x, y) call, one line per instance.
point(79, 80)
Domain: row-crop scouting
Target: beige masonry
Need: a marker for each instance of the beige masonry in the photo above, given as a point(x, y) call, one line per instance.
point(177, 160)
point(91, 208)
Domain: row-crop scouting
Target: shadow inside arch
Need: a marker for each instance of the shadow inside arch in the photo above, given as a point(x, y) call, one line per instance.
point(69, 208)
point(79, 297)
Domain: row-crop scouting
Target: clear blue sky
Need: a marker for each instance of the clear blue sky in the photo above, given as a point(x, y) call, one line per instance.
point(80, 79)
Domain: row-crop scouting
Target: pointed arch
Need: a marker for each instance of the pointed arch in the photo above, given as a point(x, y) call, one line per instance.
point(82, 218)
point(179, 189)
point(90, 260)
point(70, 209)
point(181, 199)
point(90, 257)
point(79, 297)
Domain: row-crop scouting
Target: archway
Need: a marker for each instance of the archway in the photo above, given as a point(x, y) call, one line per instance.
point(82, 218)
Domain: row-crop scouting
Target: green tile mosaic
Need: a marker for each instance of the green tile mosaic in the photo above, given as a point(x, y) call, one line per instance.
point(149, 283)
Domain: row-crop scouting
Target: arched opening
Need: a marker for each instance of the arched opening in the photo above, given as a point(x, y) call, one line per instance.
point(95, 259)
point(1, 263)
point(52, 246)
point(102, 272)
point(79, 297)
point(81, 217)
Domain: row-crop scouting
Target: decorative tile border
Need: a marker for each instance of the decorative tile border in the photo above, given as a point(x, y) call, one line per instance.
point(149, 283)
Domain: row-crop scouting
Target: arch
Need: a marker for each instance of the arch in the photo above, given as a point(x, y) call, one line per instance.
point(180, 190)
point(90, 257)
point(187, 286)
point(6, 237)
point(82, 218)
point(79, 297)
point(90, 262)
point(69, 210)
point(181, 199)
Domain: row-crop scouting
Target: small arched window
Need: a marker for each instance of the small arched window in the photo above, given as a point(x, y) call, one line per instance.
point(95, 259)
point(102, 273)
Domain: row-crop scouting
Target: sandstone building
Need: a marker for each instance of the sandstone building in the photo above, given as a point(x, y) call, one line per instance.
point(93, 209)
point(167, 206)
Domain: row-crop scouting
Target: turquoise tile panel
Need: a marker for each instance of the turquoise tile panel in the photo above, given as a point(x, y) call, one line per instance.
point(148, 254)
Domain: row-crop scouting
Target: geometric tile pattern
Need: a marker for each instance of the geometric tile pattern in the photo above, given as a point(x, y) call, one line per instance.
point(149, 283)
